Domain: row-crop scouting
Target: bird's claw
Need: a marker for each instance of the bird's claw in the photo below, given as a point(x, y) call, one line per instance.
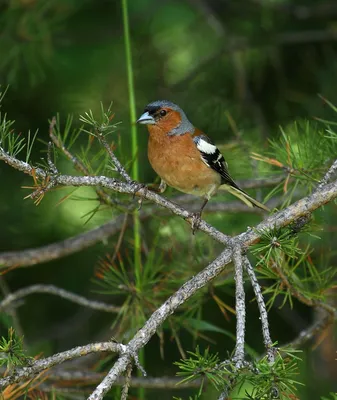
point(195, 221)
point(138, 187)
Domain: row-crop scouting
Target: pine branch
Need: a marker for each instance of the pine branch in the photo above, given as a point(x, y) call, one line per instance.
point(128, 353)
point(43, 364)
point(10, 300)
point(127, 382)
point(262, 309)
point(240, 307)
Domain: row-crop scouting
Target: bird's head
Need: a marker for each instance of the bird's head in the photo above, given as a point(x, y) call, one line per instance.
point(166, 116)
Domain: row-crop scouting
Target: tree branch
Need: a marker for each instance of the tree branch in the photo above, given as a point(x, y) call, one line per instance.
point(13, 297)
point(262, 308)
point(240, 307)
point(38, 366)
point(126, 385)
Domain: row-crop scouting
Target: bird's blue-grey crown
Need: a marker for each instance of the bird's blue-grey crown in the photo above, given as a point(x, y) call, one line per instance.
point(185, 126)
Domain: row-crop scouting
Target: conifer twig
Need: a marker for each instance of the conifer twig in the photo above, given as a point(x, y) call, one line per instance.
point(127, 382)
point(240, 307)
point(262, 309)
point(10, 300)
point(79, 166)
point(328, 176)
point(114, 159)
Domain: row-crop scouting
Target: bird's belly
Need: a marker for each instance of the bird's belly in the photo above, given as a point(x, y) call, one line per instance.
point(184, 173)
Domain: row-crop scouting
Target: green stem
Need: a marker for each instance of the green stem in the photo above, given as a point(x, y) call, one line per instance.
point(135, 170)
point(134, 142)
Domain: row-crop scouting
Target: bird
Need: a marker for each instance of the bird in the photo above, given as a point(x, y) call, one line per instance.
point(185, 158)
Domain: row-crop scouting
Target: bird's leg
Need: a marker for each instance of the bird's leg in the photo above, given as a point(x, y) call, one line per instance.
point(154, 188)
point(158, 189)
point(196, 218)
point(138, 187)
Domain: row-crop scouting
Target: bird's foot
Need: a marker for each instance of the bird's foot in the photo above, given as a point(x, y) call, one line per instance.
point(195, 221)
point(138, 187)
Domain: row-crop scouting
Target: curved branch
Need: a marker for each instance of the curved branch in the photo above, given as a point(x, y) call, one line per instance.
point(60, 249)
point(8, 301)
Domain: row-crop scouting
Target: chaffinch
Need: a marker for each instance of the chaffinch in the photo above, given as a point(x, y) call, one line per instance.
point(184, 157)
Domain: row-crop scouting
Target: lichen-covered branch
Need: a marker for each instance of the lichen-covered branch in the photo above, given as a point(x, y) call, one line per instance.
point(12, 298)
point(262, 309)
point(37, 366)
point(240, 306)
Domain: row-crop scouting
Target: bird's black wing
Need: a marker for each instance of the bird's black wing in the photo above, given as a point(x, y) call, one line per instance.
point(212, 157)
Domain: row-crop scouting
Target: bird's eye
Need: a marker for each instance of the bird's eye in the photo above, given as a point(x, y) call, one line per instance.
point(162, 113)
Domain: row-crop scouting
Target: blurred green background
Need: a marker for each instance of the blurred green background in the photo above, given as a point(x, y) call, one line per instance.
point(261, 62)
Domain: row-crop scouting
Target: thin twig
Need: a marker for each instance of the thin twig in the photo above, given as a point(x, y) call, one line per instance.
point(78, 164)
point(328, 176)
point(127, 382)
point(10, 300)
point(240, 307)
point(262, 309)
point(114, 159)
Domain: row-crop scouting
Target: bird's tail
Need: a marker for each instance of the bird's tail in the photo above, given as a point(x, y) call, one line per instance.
point(243, 196)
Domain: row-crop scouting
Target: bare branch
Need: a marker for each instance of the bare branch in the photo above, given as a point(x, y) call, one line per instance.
point(328, 176)
point(240, 307)
point(114, 159)
point(60, 249)
point(127, 382)
point(11, 298)
point(79, 166)
point(43, 364)
point(262, 308)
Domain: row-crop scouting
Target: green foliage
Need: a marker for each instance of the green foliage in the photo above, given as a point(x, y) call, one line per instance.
point(332, 396)
point(276, 241)
point(28, 32)
point(101, 126)
point(144, 292)
point(282, 259)
point(303, 152)
point(261, 380)
point(202, 366)
point(12, 353)
point(13, 143)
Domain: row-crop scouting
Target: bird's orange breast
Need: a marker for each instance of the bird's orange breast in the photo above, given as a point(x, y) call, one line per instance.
point(177, 161)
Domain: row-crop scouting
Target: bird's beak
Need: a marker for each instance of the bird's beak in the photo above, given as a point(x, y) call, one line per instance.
point(146, 119)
